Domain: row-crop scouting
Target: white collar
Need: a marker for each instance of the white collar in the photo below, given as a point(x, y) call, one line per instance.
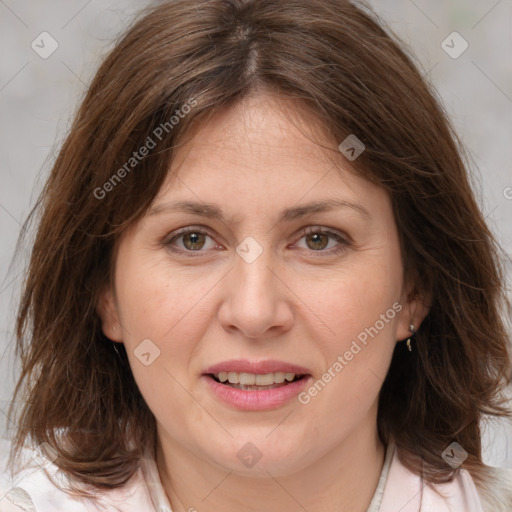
point(154, 484)
point(161, 501)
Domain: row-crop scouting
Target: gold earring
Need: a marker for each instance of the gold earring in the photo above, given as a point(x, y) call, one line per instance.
point(413, 330)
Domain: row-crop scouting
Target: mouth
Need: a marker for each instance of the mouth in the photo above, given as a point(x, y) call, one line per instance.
point(256, 385)
point(256, 382)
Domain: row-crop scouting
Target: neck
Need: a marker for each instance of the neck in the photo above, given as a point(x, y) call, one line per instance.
point(345, 478)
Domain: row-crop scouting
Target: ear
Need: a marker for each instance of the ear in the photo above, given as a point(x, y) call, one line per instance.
point(415, 307)
point(107, 311)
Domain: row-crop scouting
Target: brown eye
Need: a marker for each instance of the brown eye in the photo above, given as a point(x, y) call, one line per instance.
point(322, 241)
point(193, 240)
point(188, 241)
point(317, 241)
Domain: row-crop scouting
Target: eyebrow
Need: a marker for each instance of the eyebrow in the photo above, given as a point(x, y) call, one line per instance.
point(213, 211)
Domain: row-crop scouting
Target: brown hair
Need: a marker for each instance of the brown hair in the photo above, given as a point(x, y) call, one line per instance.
point(336, 60)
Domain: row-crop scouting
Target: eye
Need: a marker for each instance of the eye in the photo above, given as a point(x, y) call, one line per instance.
point(189, 240)
point(317, 240)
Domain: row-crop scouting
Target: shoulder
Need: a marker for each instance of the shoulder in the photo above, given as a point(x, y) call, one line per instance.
point(34, 485)
point(38, 485)
point(492, 493)
point(496, 492)
point(407, 492)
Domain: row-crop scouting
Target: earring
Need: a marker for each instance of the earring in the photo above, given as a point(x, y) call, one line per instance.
point(413, 330)
point(114, 344)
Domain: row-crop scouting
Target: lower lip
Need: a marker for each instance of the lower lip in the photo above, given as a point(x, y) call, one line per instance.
point(256, 400)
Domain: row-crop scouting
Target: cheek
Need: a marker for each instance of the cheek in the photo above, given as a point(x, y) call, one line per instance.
point(353, 299)
point(158, 302)
point(169, 308)
point(163, 307)
point(358, 309)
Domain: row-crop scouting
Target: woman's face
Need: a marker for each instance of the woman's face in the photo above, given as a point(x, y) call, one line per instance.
point(254, 280)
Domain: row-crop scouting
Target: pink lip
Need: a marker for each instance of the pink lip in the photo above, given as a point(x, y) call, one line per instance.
point(259, 367)
point(256, 400)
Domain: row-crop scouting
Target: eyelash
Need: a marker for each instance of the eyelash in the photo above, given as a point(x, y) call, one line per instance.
point(305, 232)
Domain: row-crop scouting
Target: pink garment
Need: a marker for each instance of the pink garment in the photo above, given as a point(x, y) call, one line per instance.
point(403, 491)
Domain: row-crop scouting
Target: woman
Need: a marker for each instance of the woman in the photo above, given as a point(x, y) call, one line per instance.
point(260, 280)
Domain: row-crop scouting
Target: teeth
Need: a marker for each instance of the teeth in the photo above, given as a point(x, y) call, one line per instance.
point(233, 377)
point(279, 377)
point(251, 379)
point(265, 380)
point(247, 379)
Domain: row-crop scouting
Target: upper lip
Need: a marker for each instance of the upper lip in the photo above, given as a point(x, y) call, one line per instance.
point(256, 367)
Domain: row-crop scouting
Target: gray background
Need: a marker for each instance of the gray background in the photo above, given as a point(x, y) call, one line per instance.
point(39, 96)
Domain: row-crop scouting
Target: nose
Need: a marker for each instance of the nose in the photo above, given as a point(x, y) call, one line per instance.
point(257, 301)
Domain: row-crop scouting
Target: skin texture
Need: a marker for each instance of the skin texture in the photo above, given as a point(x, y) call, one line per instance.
point(298, 302)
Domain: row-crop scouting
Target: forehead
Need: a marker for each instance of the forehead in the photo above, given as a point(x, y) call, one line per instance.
point(262, 126)
point(263, 146)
